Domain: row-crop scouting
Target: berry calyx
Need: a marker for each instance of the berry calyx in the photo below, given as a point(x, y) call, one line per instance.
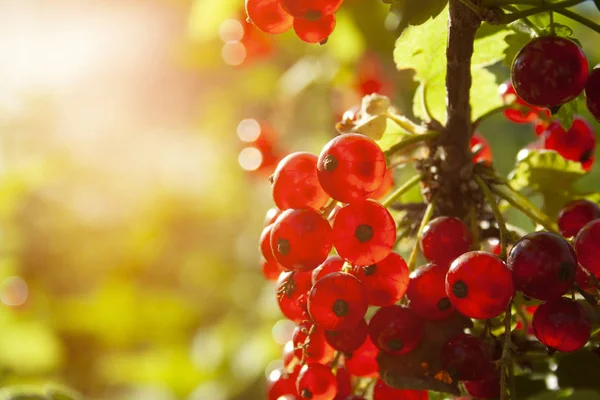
point(444, 239)
point(587, 247)
point(467, 358)
point(396, 329)
point(311, 9)
point(382, 391)
point(316, 382)
point(576, 144)
point(575, 215)
point(331, 264)
point(291, 287)
point(549, 71)
point(386, 281)
point(315, 31)
point(349, 340)
point(269, 16)
point(592, 93)
point(427, 292)
point(562, 324)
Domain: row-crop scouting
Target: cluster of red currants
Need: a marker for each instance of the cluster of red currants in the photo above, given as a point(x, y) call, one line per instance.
point(312, 20)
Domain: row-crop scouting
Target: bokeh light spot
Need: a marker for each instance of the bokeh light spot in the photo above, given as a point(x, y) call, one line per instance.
point(231, 30)
point(248, 130)
point(250, 158)
point(233, 53)
point(13, 291)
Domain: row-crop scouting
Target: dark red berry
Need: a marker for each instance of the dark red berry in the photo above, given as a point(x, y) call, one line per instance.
point(344, 384)
point(290, 288)
point(519, 111)
point(575, 215)
point(382, 391)
point(314, 31)
point(295, 183)
point(576, 144)
point(386, 282)
point(444, 239)
point(271, 216)
point(427, 292)
point(316, 382)
point(364, 232)
point(592, 93)
point(311, 347)
point(363, 361)
point(337, 302)
point(467, 358)
point(479, 285)
point(351, 167)
point(549, 71)
point(271, 269)
point(587, 246)
point(349, 340)
point(396, 329)
point(543, 265)
point(331, 264)
point(301, 239)
point(562, 324)
point(481, 148)
point(311, 9)
point(269, 16)
point(488, 388)
point(386, 185)
point(280, 384)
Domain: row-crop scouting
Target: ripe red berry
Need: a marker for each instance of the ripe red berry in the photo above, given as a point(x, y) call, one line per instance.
point(543, 265)
point(488, 388)
point(315, 31)
point(562, 324)
point(351, 167)
point(316, 349)
point(396, 329)
point(290, 289)
point(364, 232)
point(576, 144)
point(481, 147)
point(386, 281)
point(350, 340)
point(271, 269)
point(520, 111)
point(386, 185)
point(280, 384)
point(337, 302)
point(371, 76)
point(363, 361)
point(331, 264)
point(549, 71)
point(592, 93)
point(575, 215)
point(295, 183)
point(316, 382)
point(265, 244)
point(271, 216)
point(479, 285)
point(467, 358)
point(382, 391)
point(427, 292)
point(311, 9)
point(301, 239)
point(587, 247)
point(344, 384)
point(444, 239)
point(288, 354)
point(269, 16)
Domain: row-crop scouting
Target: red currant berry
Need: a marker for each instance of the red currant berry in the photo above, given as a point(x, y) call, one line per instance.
point(290, 288)
point(363, 361)
point(427, 292)
point(520, 111)
point(549, 71)
point(344, 384)
point(371, 76)
point(350, 340)
point(289, 397)
point(364, 232)
point(386, 185)
point(316, 382)
point(562, 324)
point(269, 16)
point(271, 216)
point(488, 388)
point(481, 148)
point(479, 285)
point(301, 239)
point(576, 144)
point(265, 244)
point(295, 183)
point(444, 239)
point(311, 9)
point(587, 247)
point(310, 345)
point(575, 215)
point(317, 31)
point(396, 330)
point(271, 269)
point(543, 265)
point(467, 358)
point(337, 302)
point(331, 264)
point(280, 384)
point(288, 354)
point(592, 93)
point(382, 391)
point(351, 167)
point(386, 282)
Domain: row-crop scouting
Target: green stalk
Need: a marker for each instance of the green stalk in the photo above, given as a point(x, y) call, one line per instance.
point(409, 141)
point(426, 218)
point(401, 190)
point(497, 215)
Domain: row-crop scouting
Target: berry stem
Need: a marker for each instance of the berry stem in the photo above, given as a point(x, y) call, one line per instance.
point(506, 358)
point(402, 189)
point(404, 143)
point(507, 19)
point(426, 218)
point(488, 114)
point(497, 215)
point(406, 123)
point(579, 18)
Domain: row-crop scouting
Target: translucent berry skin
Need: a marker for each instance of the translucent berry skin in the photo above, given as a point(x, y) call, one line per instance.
point(289, 295)
point(382, 391)
point(351, 167)
point(344, 384)
point(337, 302)
point(386, 185)
point(592, 93)
point(488, 388)
point(396, 329)
point(271, 270)
point(317, 350)
point(363, 361)
point(521, 112)
point(288, 354)
point(331, 264)
point(576, 144)
point(301, 239)
point(444, 239)
point(484, 151)
point(316, 382)
point(271, 215)
point(311, 9)
point(265, 244)
point(587, 247)
point(295, 183)
point(350, 340)
point(562, 324)
point(269, 16)
point(315, 31)
point(386, 282)
point(427, 292)
point(364, 232)
point(549, 71)
point(467, 358)
point(280, 384)
point(479, 285)
point(575, 215)
point(543, 265)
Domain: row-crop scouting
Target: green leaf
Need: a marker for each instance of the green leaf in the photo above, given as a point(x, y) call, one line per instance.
point(416, 12)
point(490, 49)
point(597, 3)
point(567, 111)
point(579, 370)
point(392, 135)
point(515, 43)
